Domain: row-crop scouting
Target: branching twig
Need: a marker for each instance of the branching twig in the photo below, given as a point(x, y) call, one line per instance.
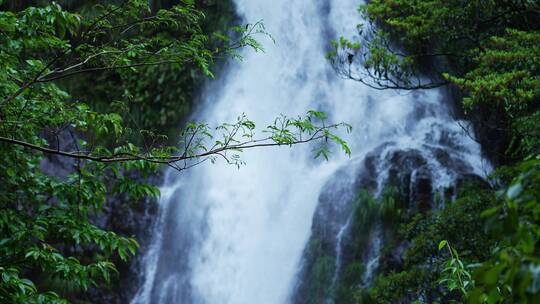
point(126, 157)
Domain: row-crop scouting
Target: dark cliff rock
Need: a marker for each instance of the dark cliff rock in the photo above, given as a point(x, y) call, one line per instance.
point(353, 231)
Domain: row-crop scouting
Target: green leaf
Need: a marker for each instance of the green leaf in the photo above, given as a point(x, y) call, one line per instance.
point(442, 244)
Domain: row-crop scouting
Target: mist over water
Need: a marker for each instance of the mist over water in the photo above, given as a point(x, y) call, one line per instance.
point(229, 236)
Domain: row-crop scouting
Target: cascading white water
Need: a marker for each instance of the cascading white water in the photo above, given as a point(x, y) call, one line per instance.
point(227, 236)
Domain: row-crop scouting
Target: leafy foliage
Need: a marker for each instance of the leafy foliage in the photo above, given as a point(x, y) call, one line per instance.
point(456, 276)
point(510, 274)
point(507, 78)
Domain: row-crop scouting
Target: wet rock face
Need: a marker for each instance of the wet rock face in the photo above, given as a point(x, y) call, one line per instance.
point(409, 173)
point(338, 241)
point(334, 208)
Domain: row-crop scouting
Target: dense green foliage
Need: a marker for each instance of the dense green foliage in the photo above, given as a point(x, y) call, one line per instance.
point(79, 127)
point(161, 96)
point(489, 51)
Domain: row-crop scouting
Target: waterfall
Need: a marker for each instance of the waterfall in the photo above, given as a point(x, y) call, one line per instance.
point(228, 236)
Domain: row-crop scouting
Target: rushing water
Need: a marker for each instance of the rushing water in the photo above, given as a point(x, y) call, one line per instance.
point(228, 236)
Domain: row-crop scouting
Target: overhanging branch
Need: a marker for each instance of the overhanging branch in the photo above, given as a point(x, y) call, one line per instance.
point(126, 157)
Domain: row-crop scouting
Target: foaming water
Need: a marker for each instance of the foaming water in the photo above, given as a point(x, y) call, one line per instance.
point(227, 236)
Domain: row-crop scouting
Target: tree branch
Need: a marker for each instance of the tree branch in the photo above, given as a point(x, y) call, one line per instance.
point(126, 157)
